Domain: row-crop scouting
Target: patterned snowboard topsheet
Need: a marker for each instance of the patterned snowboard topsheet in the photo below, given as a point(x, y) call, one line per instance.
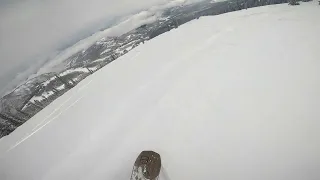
point(147, 166)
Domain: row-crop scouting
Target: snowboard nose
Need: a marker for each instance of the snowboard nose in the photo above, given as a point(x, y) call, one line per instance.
point(150, 164)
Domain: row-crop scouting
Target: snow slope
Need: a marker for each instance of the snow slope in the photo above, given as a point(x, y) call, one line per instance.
point(234, 96)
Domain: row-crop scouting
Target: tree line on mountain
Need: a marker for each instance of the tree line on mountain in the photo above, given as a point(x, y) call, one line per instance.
point(216, 9)
point(15, 114)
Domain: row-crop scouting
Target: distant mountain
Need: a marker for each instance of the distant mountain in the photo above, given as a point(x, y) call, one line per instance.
point(35, 94)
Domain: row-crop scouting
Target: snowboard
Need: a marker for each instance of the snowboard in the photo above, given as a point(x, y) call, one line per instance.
point(147, 166)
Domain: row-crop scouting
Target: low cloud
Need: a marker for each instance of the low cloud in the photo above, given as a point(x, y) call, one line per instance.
point(32, 31)
point(127, 24)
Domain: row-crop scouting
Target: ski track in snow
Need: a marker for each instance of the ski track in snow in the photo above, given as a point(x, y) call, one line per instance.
point(42, 124)
point(233, 96)
point(52, 116)
point(59, 109)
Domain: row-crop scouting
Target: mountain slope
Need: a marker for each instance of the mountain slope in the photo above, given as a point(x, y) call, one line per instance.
point(233, 96)
point(90, 54)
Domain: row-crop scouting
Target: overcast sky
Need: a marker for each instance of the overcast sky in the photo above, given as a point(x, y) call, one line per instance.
point(32, 30)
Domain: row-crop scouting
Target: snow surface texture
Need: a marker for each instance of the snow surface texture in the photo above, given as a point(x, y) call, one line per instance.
point(234, 96)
